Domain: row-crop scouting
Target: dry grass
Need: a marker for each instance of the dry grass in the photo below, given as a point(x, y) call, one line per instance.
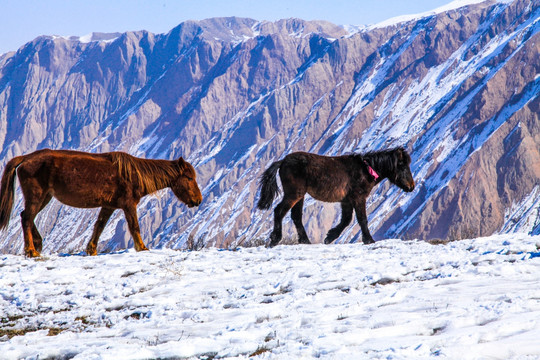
point(260, 350)
point(10, 333)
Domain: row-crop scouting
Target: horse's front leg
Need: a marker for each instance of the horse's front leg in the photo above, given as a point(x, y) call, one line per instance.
point(361, 216)
point(133, 223)
point(103, 217)
point(346, 217)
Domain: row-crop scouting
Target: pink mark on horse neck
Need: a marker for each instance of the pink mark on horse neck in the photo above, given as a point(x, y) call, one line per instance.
point(372, 172)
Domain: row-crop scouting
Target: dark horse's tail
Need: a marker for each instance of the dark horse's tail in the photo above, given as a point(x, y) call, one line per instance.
point(269, 187)
point(7, 190)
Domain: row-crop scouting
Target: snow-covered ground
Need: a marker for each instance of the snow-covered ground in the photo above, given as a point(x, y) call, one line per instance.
point(394, 300)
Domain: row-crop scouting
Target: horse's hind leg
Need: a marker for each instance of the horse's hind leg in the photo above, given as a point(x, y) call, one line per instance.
point(346, 217)
point(296, 215)
point(35, 196)
point(28, 215)
point(103, 217)
point(279, 213)
point(38, 240)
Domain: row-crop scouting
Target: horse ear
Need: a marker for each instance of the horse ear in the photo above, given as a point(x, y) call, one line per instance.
point(181, 163)
point(405, 155)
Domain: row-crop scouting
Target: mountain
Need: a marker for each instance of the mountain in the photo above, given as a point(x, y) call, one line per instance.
point(458, 88)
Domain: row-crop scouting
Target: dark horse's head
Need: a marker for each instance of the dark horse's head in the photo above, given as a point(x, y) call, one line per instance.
point(395, 165)
point(185, 186)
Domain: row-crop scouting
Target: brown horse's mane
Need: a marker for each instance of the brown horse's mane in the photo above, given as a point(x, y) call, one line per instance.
point(151, 175)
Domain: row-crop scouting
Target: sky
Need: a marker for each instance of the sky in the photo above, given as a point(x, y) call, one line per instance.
point(22, 21)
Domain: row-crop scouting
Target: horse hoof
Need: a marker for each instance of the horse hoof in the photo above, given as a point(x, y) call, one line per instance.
point(142, 249)
point(32, 253)
point(369, 241)
point(38, 247)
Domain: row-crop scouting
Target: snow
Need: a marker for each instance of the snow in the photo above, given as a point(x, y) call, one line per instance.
point(91, 37)
point(524, 215)
point(454, 5)
point(394, 299)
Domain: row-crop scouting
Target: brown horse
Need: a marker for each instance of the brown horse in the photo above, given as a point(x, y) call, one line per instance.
point(111, 181)
point(346, 179)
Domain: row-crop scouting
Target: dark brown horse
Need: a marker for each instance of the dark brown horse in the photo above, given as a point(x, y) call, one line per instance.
point(346, 179)
point(111, 181)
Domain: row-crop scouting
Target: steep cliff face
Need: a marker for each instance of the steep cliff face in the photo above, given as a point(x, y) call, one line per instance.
point(459, 89)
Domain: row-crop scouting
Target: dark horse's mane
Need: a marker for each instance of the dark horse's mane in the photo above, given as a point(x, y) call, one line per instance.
point(151, 175)
point(383, 159)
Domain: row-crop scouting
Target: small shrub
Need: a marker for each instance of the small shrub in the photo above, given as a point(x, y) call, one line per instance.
point(193, 244)
point(461, 233)
point(438, 241)
point(251, 243)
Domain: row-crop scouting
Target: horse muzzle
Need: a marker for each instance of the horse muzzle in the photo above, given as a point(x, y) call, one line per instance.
point(409, 187)
point(194, 203)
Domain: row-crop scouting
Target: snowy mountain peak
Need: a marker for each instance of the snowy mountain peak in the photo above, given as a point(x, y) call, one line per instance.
point(454, 5)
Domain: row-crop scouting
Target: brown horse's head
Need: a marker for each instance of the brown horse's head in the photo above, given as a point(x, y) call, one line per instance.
point(185, 186)
point(401, 174)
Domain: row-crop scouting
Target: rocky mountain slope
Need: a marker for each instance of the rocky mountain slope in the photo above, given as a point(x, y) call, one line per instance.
point(459, 89)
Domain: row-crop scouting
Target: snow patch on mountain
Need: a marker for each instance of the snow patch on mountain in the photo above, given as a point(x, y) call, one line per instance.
point(524, 216)
point(454, 5)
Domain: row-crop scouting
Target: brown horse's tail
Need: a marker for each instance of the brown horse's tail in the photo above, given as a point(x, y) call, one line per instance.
point(7, 190)
point(269, 187)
